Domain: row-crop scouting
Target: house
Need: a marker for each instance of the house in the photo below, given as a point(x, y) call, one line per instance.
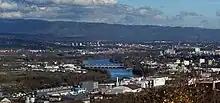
point(5, 100)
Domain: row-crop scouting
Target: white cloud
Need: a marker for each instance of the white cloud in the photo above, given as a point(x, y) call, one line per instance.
point(92, 1)
point(97, 11)
point(79, 2)
point(160, 17)
point(8, 5)
point(11, 15)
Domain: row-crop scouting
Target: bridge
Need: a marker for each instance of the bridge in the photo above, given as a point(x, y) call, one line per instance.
point(104, 66)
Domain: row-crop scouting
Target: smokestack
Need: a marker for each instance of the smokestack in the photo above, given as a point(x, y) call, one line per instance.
point(117, 82)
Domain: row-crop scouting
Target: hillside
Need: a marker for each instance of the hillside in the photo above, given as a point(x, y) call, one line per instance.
point(46, 30)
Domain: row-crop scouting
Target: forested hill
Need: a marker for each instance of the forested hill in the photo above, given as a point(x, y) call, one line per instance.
point(100, 31)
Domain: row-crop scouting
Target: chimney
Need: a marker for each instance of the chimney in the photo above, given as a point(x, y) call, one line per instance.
point(117, 82)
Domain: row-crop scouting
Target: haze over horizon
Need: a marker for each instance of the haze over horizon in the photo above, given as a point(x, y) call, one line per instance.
point(187, 13)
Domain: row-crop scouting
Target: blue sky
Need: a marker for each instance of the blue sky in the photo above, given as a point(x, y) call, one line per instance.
point(171, 7)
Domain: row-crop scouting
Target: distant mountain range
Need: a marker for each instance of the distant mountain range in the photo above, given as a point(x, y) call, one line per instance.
point(70, 31)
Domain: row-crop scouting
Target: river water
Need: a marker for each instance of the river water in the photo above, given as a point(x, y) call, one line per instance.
point(114, 72)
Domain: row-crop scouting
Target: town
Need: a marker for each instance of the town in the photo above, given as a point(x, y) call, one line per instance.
point(97, 72)
point(109, 51)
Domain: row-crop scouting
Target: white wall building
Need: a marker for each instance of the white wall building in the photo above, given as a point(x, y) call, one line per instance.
point(123, 89)
point(186, 62)
point(197, 50)
point(201, 61)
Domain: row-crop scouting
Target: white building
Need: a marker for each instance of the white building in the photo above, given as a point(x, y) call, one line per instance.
point(170, 51)
point(73, 68)
point(201, 61)
point(210, 62)
point(52, 68)
point(186, 62)
point(197, 50)
point(152, 82)
point(124, 89)
point(215, 69)
point(178, 61)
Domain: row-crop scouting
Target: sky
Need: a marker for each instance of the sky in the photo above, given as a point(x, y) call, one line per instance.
point(185, 13)
point(171, 7)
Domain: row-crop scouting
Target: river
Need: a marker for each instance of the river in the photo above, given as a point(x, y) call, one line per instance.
point(114, 72)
